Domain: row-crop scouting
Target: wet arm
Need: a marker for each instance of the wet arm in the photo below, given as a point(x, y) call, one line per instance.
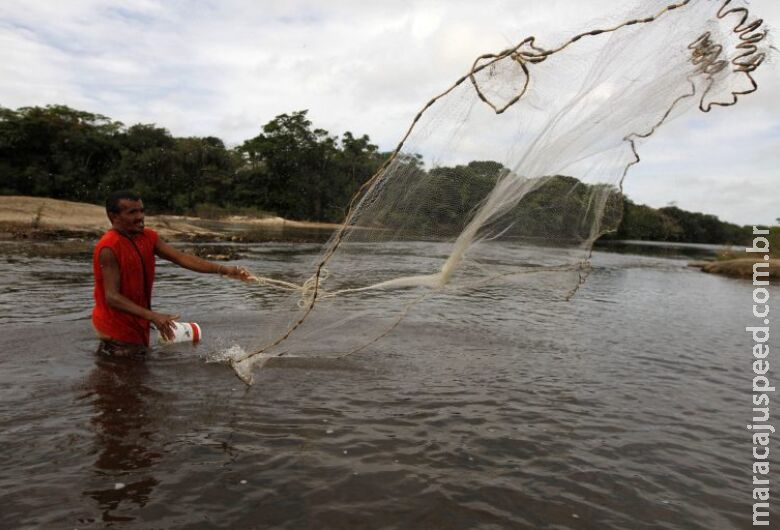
point(188, 261)
point(194, 263)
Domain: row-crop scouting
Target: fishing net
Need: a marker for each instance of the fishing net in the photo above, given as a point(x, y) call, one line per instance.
point(508, 176)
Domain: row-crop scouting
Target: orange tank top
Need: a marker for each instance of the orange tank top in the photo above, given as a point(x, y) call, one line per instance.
point(135, 256)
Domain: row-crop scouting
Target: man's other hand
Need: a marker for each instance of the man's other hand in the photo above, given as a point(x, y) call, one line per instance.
point(164, 324)
point(237, 273)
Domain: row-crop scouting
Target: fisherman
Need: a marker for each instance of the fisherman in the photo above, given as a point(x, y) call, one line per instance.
point(123, 263)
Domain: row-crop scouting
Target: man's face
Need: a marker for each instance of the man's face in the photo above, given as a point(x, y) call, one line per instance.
point(130, 218)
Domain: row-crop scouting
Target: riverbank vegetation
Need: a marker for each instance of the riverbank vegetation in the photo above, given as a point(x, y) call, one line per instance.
point(290, 169)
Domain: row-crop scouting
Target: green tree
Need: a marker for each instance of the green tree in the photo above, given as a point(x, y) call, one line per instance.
point(292, 165)
point(204, 172)
point(56, 151)
point(645, 223)
point(149, 164)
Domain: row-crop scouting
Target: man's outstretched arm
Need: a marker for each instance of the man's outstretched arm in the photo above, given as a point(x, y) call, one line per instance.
point(116, 300)
point(194, 263)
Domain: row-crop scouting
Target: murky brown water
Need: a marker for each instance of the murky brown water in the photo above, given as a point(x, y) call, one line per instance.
point(624, 408)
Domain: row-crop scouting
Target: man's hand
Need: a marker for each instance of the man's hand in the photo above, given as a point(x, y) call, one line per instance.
point(164, 324)
point(236, 273)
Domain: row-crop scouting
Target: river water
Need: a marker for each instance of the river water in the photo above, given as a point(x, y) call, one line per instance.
point(623, 408)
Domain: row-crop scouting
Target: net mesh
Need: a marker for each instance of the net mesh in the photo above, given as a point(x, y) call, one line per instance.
point(509, 176)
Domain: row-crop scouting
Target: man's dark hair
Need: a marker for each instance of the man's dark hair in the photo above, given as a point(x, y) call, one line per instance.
point(112, 201)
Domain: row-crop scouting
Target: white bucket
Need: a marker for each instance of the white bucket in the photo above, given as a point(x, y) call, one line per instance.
point(182, 332)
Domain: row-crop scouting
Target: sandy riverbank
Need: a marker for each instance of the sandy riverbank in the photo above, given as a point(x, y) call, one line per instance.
point(740, 267)
point(43, 218)
point(40, 218)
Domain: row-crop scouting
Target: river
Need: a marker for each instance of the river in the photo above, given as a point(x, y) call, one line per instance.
point(625, 407)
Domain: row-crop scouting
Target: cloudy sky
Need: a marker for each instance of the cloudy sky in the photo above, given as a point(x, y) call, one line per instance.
point(224, 68)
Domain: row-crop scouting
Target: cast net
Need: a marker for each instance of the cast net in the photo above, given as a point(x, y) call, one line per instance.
point(509, 175)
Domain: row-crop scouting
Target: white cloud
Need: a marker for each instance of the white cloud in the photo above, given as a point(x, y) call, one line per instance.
point(226, 68)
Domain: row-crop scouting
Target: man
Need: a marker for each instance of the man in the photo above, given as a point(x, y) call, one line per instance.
point(123, 264)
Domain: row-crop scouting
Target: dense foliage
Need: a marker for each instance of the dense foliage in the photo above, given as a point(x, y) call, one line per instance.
point(290, 169)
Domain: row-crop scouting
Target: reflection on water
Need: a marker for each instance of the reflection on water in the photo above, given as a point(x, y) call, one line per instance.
point(663, 248)
point(624, 408)
point(124, 431)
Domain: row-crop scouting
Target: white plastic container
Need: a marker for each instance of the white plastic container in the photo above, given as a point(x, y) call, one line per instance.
point(182, 332)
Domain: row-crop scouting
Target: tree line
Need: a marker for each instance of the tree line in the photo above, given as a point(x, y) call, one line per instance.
point(291, 169)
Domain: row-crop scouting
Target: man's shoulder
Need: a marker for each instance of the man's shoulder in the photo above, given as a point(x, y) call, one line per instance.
point(108, 238)
point(151, 235)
